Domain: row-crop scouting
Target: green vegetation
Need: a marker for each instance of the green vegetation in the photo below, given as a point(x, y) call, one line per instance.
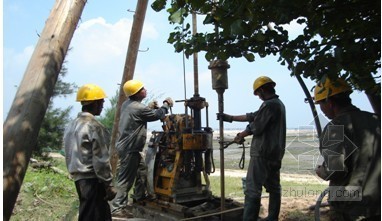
point(326, 45)
point(55, 119)
point(46, 195)
point(234, 188)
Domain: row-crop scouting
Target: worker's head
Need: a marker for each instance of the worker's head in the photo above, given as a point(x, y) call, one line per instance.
point(263, 84)
point(133, 88)
point(332, 95)
point(91, 97)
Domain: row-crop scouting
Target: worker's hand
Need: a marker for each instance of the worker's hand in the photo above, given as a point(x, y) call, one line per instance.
point(110, 193)
point(169, 102)
point(224, 117)
point(153, 105)
point(321, 172)
point(239, 139)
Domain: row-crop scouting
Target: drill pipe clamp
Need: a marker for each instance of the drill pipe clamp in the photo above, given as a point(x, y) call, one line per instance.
point(219, 74)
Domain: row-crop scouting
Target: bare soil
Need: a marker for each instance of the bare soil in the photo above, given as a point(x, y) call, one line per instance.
point(295, 206)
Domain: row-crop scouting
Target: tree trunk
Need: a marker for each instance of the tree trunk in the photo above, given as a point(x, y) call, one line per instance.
point(20, 129)
point(128, 72)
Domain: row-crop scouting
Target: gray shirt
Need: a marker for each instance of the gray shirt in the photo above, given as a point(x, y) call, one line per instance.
point(86, 143)
point(133, 125)
point(351, 147)
point(268, 127)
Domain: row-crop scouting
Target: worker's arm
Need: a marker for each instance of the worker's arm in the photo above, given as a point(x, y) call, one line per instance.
point(240, 118)
point(230, 118)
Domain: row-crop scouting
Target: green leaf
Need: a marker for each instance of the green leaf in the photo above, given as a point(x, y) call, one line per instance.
point(249, 56)
point(209, 56)
point(177, 17)
point(329, 44)
point(158, 5)
point(237, 27)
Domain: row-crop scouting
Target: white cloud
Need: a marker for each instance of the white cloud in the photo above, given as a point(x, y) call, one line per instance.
point(14, 67)
point(98, 56)
point(13, 60)
point(96, 42)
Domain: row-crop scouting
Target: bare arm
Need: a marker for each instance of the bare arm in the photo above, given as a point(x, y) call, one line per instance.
point(240, 118)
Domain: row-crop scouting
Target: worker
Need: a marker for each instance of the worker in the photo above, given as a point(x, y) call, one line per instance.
point(132, 138)
point(350, 146)
point(268, 128)
point(86, 143)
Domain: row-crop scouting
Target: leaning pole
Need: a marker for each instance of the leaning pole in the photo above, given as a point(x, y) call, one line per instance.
point(128, 72)
point(21, 127)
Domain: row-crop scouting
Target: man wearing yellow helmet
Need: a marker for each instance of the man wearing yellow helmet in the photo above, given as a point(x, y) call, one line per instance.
point(86, 143)
point(350, 146)
point(132, 138)
point(268, 128)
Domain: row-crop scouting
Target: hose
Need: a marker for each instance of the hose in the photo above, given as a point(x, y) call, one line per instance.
point(318, 205)
point(319, 130)
point(242, 160)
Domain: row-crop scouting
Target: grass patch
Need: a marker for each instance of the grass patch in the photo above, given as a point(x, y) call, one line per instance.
point(46, 195)
point(234, 188)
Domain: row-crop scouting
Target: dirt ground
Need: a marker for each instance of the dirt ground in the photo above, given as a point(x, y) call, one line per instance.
point(294, 206)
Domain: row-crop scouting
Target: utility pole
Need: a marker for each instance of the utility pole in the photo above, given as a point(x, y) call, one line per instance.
point(128, 72)
point(21, 127)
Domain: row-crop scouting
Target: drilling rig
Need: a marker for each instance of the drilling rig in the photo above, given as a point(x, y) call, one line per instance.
point(179, 161)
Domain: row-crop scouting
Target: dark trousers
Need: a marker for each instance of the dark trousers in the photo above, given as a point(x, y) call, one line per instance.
point(93, 206)
point(262, 172)
point(132, 172)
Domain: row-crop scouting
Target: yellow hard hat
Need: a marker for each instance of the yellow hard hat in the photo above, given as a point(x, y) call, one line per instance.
point(330, 88)
point(260, 81)
point(90, 92)
point(131, 87)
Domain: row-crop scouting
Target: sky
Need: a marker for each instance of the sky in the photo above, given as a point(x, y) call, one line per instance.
point(98, 52)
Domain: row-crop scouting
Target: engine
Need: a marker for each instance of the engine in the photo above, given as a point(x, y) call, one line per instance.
point(179, 160)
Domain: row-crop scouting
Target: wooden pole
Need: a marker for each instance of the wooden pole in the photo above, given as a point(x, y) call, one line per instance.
point(128, 72)
point(21, 127)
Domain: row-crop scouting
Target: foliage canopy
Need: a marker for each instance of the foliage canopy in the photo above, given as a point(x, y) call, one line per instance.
point(339, 38)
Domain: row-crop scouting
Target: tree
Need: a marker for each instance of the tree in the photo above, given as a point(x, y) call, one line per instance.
point(339, 38)
point(52, 129)
point(109, 113)
point(53, 125)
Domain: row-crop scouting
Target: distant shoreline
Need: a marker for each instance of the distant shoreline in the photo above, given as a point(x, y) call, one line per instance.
point(231, 133)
